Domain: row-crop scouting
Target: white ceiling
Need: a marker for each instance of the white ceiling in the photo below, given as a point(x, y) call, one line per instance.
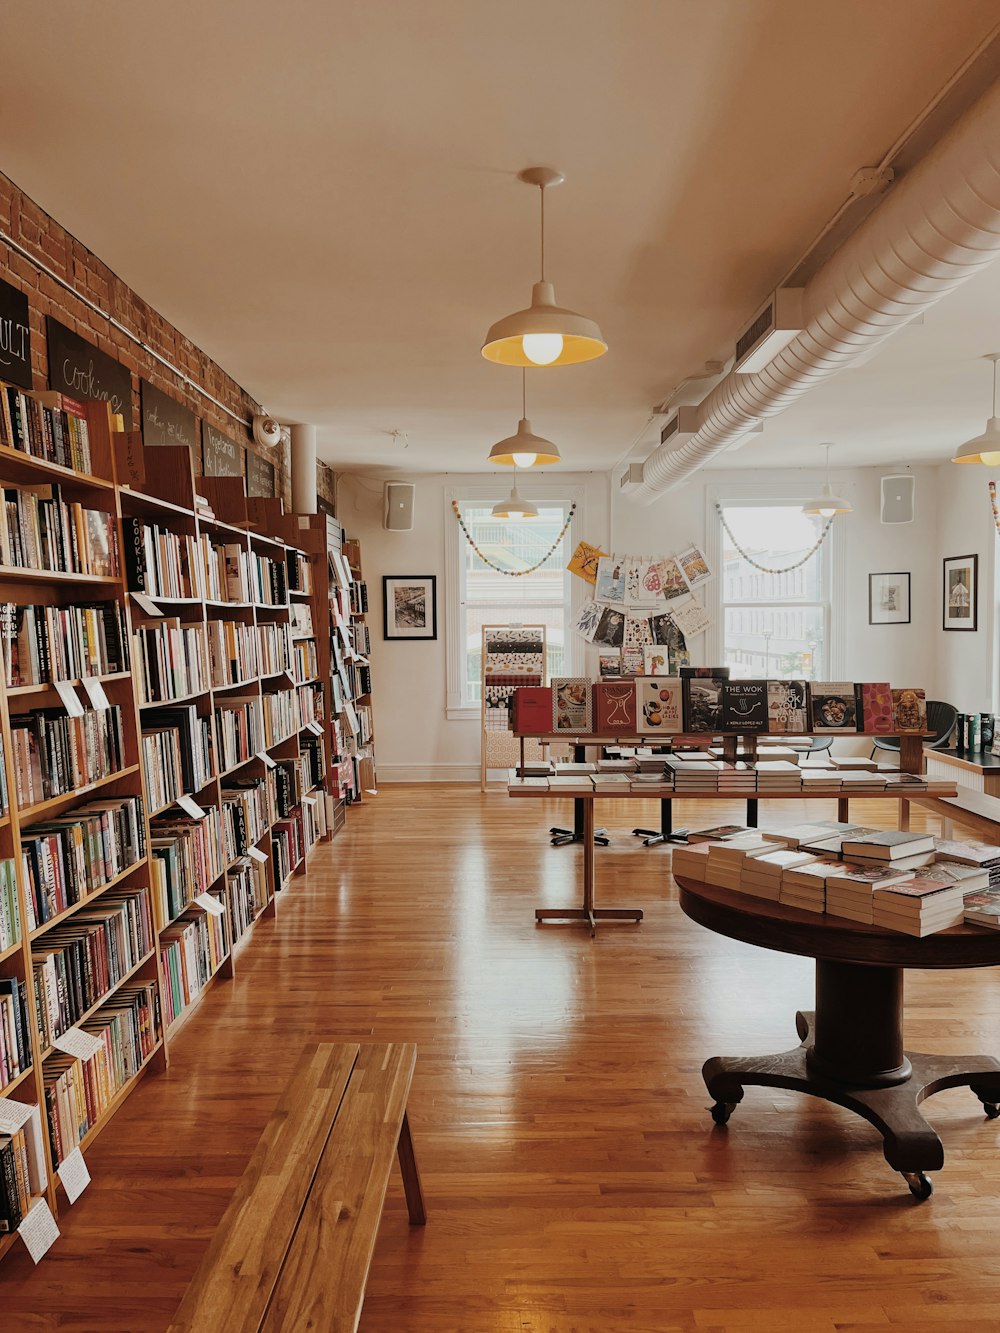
point(323, 196)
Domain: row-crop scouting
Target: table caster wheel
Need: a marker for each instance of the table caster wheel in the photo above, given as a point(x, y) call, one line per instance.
point(919, 1184)
point(721, 1112)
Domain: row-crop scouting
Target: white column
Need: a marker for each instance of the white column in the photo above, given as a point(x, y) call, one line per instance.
point(303, 465)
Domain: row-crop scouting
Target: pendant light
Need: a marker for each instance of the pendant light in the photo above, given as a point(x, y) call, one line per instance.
point(544, 334)
point(984, 448)
point(515, 507)
point(524, 448)
point(828, 504)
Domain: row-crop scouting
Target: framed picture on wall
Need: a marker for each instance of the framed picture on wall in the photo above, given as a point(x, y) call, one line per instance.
point(960, 595)
point(409, 606)
point(888, 599)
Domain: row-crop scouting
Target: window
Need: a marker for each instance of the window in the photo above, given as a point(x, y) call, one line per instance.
point(775, 625)
point(487, 597)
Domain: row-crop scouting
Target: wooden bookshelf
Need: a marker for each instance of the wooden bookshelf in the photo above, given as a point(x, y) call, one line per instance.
point(173, 674)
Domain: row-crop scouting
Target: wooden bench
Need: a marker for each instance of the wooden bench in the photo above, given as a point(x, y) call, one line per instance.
point(294, 1246)
point(971, 808)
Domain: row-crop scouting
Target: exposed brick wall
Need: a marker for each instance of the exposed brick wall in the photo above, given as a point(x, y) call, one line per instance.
point(42, 235)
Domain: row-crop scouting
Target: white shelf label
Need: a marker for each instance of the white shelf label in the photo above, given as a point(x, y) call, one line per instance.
point(70, 698)
point(211, 905)
point(191, 807)
point(267, 759)
point(77, 1043)
point(74, 1175)
point(257, 854)
point(147, 604)
point(39, 1231)
point(13, 1115)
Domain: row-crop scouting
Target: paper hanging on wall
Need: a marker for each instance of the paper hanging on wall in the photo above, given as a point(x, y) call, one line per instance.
point(637, 632)
point(655, 660)
point(611, 629)
point(695, 567)
point(631, 660)
point(588, 619)
point(583, 561)
point(692, 619)
point(609, 664)
point(642, 583)
point(610, 579)
point(673, 584)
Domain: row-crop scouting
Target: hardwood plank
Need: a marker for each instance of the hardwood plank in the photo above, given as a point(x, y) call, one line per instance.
point(337, 1230)
point(238, 1273)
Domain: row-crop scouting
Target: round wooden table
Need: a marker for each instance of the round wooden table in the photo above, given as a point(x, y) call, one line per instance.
point(851, 1050)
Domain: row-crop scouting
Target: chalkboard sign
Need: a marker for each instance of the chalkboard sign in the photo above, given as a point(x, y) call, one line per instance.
point(15, 337)
point(260, 475)
point(165, 420)
point(220, 456)
point(79, 369)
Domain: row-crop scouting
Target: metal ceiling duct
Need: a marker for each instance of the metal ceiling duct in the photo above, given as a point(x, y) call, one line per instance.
point(937, 229)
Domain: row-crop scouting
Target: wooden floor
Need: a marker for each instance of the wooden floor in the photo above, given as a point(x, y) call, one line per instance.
point(574, 1180)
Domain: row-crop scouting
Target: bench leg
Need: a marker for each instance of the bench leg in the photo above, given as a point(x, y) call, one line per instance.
point(410, 1174)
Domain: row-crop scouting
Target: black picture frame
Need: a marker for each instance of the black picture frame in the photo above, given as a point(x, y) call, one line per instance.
point(878, 588)
point(409, 607)
point(960, 593)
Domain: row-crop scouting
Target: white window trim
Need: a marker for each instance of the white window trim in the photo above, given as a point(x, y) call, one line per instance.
point(762, 493)
point(541, 490)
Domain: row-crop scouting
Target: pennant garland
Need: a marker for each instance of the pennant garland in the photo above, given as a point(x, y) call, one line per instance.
point(513, 573)
point(788, 568)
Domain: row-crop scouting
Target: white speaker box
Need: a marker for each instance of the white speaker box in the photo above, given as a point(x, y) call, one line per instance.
point(398, 505)
point(897, 498)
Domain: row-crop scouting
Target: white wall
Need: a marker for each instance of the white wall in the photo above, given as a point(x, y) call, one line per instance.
point(415, 740)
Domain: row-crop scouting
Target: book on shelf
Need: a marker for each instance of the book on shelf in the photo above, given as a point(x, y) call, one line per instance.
point(702, 698)
point(787, 707)
point(169, 660)
point(888, 846)
point(240, 723)
point(614, 706)
point(745, 706)
point(10, 907)
point(659, 705)
point(833, 706)
point(571, 704)
point(50, 643)
point(874, 707)
point(177, 754)
point(268, 581)
point(15, 1037)
point(245, 816)
point(54, 754)
point(158, 562)
point(47, 425)
point(909, 711)
point(281, 716)
point(191, 951)
point(246, 891)
point(40, 530)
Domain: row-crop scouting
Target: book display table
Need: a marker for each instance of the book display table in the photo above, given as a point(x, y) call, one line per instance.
point(963, 765)
point(588, 914)
point(851, 1048)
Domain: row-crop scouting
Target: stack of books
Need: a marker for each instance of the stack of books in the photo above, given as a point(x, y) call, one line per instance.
point(691, 860)
point(855, 780)
point(896, 780)
point(821, 779)
point(851, 894)
point(797, 835)
point(514, 780)
point(855, 762)
point(725, 859)
point(778, 775)
point(804, 886)
point(737, 779)
point(886, 847)
point(698, 775)
point(762, 875)
point(568, 784)
point(982, 908)
point(616, 765)
point(829, 846)
point(611, 783)
point(919, 907)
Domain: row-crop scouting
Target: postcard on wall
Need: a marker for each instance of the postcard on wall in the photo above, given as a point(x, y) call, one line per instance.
point(609, 663)
point(673, 584)
point(691, 619)
point(610, 579)
point(588, 619)
point(583, 562)
point(611, 630)
point(632, 659)
point(642, 583)
point(637, 631)
point(695, 567)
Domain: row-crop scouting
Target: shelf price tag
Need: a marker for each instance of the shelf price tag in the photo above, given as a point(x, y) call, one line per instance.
point(256, 854)
point(13, 1115)
point(209, 904)
point(95, 692)
point(191, 807)
point(38, 1230)
point(74, 1175)
point(77, 1043)
point(70, 698)
point(146, 604)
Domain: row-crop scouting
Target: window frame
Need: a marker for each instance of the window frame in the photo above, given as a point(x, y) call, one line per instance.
point(760, 495)
point(551, 490)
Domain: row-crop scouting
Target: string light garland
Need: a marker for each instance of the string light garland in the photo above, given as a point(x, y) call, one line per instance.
point(993, 502)
point(513, 573)
point(788, 568)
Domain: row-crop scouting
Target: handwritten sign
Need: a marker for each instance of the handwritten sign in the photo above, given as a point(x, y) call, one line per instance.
point(220, 456)
point(15, 337)
point(79, 369)
point(165, 420)
point(260, 475)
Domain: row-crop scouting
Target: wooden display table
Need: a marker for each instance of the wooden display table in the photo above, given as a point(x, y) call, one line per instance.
point(978, 763)
point(590, 914)
point(851, 1050)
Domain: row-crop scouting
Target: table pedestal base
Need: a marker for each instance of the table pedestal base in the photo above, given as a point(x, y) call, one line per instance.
point(910, 1144)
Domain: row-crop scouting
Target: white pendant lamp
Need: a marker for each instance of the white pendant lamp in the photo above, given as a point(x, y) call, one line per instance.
point(544, 334)
point(524, 448)
point(827, 505)
point(984, 448)
point(515, 507)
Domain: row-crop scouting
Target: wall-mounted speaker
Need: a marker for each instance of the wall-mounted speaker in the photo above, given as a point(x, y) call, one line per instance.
point(398, 505)
point(897, 498)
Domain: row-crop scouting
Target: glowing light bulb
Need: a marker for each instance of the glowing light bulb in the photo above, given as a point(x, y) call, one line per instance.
point(542, 348)
point(991, 460)
point(524, 460)
point(827, 513)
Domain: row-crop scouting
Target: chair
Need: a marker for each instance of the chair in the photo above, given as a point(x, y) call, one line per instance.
point(941, 720)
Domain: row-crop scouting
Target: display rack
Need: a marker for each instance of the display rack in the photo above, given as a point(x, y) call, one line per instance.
point(511, 656)
point(176, 851)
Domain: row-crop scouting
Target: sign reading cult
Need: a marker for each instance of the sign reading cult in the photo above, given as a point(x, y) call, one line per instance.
point(165, 420)
point(15, 337)
point(220, 456)
point(79, 369)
